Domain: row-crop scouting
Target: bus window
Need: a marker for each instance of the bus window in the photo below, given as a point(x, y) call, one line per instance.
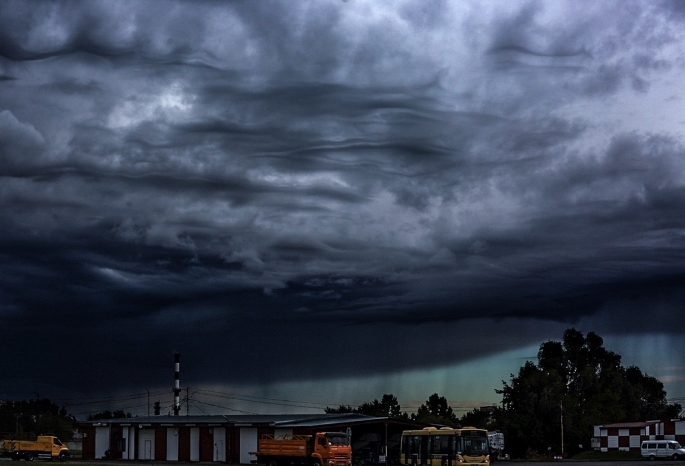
point(412, 445)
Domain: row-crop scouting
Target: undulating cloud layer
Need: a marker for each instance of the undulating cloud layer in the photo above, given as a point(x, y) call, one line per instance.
point(284, 190)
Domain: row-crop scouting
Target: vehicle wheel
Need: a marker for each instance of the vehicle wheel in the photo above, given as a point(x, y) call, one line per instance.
point(63, 457)
point(652, 458)
point(29, 457)
point(315, 463)
point(675, 456)
point(273, 463)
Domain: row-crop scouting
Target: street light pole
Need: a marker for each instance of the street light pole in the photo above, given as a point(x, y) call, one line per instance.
point(561, 406)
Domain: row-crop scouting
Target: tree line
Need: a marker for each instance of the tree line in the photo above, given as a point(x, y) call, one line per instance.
point(436, 410)
point(576, 384)
point(25, 418)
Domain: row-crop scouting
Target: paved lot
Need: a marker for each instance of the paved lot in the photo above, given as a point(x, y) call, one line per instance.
point(78, 462)
point(638, 462)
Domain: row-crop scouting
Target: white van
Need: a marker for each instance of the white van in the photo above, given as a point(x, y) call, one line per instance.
point(654, 449)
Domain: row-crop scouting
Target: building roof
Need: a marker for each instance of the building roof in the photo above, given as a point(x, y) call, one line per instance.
point(628, 425)
point(275, 420)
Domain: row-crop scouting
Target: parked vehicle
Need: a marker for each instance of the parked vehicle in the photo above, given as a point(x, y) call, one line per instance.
point(496, 443)
point(321, 449)
point(45, 447)
point(654, 449)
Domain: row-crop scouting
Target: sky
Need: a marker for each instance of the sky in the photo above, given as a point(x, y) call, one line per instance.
point(319, 202)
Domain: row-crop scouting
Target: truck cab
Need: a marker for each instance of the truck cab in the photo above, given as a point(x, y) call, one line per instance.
point(331, 449)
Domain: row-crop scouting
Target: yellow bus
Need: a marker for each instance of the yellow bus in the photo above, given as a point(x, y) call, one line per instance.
point(444, 447)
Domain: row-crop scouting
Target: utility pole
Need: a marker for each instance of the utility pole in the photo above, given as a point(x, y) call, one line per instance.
point(561, 413)
point(148, 404)
point(187, 401)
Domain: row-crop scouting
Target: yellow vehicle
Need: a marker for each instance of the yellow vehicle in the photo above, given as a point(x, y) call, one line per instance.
point(444, 447)
point(321, 449)
point(45, 447)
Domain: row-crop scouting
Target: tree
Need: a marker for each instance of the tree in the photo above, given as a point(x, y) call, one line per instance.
point(479, 417)
point(340, 409)
point(107, 414)
point(582, 381)
point(28, 418)
point(436, 410)
point(387, 407)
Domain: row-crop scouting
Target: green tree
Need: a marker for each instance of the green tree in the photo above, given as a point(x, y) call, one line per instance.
point(28, 418)
point(479, 417)
point(107, 414)
point(581, 382)
point(436, 410)
point(340, 409)
point(388, 406)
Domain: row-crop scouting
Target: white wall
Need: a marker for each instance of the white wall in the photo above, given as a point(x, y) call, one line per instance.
point(680, 427)
point(194, 444)
point(282, 432)
point(101, 441)
point(146, 444)
point(172, 444)
point(219, 444)
point(248, 443)
point(128, 435)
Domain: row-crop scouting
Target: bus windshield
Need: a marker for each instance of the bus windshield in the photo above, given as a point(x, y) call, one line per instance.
point(474, 446)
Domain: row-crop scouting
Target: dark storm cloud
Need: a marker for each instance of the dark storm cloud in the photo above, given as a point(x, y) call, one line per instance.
point(277, 178)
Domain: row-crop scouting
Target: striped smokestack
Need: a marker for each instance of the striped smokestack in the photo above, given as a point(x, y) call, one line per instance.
point(177, 386)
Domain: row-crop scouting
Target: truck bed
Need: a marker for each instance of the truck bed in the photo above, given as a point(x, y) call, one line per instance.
point(288, 445)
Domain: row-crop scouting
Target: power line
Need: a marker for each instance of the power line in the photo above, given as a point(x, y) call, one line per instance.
point(224, 407)
point(116, 401)
point(262, 399)
point(110, 399)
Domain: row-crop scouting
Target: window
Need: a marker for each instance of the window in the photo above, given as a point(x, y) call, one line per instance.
point(441, 445)
point(337, 439)
point(413, 445)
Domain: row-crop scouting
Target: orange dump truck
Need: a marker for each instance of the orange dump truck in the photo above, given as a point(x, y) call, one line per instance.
point(320, 449)
point(45, 447)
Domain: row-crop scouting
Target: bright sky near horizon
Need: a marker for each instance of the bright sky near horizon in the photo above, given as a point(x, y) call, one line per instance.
point(328, 201)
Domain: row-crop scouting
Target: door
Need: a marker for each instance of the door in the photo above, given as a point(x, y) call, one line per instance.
point(125, 443)
point(219, 444)
point(439, 450)
point(172, 444)
point(146, 444)
point(194, 444)
point(248, 443)
point(101, 441)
